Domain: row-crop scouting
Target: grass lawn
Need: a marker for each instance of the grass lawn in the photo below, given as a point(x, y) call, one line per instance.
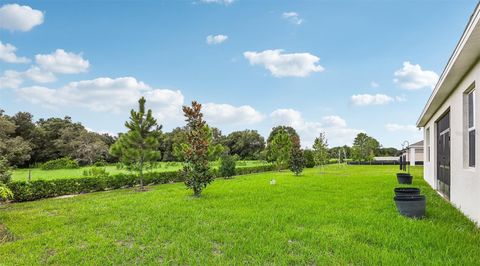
point(340, 216)
point(37, 173)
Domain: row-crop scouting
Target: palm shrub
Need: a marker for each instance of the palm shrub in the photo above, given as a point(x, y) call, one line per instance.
point(5, 193)
point(196, 170)
point(227, 166)
point(140, 144)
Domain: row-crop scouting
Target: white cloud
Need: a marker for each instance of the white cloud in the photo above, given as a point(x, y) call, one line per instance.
point(11, 79)
point(216, 39)
point(412, 77)
point(39, 75)
point(7, 54)
point(335, 127)
point(23, 18)
point(397, 127)
point(374, 84)
point(285, 65)
point(62, 62)
point(107, 95)
point(221, 114)
point(401, 98)
point(292, 17)
point(369, 99)
point(334, 121)
point(223, 2)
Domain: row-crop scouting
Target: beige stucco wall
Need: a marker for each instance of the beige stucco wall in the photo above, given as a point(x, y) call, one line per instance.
point(465, 181)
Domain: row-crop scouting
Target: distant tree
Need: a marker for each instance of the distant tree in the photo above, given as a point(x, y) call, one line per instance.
point(247, 144)
point(320, 149)
point(13, 148)
point(196, 169)
point(139, 146)
point(227, 166)
point(280, 149)
point(364, 147)
point(297, 159)
point(340, 151)
point(309, 158)
point(289, 130)
point(171, 143)
point(387, 151)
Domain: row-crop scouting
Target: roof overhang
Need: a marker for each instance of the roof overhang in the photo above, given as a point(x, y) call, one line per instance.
point(464, 57)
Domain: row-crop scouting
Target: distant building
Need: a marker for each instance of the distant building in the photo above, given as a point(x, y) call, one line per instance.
point(449, 121)
point(413, 154)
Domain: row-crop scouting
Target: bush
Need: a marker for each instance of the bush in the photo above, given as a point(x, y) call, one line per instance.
point(309, 158)
point(95, 172)
point(227, 166)
point(5, 174)
point(100, 163)
point(5, 193)
point(38, 189)
point(62, 163)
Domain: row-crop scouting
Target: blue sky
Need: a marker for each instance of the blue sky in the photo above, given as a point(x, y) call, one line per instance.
point(341, 67)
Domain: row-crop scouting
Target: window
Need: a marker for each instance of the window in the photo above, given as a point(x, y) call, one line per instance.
point(471, 128)
point(427, 144)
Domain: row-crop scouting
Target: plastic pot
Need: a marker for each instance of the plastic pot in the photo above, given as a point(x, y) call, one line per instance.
point(407, 191)
point(404, 178)
point(411, 206)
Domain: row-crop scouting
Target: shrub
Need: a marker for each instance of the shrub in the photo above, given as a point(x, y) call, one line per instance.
point(100, 163)
point(309, 158)
point(5, 174)
point(38, 189)
point(5, 193)
point(227, 166)
point(95, 172)
point(62, 163)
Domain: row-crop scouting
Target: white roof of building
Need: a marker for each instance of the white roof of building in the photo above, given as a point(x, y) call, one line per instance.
point(464, 57)
point(386, 158)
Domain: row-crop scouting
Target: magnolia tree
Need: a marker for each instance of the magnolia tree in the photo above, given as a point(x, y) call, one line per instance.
point(297, 158)
point(139, 146)
point(196, 150)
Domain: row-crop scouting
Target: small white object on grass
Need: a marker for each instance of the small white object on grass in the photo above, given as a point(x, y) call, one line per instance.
point(273, 182)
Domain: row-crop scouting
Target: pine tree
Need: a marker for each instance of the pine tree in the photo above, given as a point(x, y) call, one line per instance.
point(139, 146)
point(280, 149)
point(196, 169)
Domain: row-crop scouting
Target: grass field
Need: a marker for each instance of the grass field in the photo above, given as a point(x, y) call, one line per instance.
point(332, 216)
point(37, 173)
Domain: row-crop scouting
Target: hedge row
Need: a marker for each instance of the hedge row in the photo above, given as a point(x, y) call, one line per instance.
point(38, 189)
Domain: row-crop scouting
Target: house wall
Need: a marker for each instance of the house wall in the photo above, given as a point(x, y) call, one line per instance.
point(465, 181)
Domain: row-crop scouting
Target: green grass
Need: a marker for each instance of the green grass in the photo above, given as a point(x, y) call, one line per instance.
point(337, 217)
point(37, 173)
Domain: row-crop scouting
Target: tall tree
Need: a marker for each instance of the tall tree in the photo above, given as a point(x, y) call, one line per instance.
point(139, 146)
point(364, 147)
point(320, 149)
point(247, 144)
point(280, 149)
point(196, 169)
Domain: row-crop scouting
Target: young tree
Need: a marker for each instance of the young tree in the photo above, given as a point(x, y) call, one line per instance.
point(227, 166)
point(139, 145)
point(309, 158)
point(320, 149)
point(297, 159)
point(5, 171)
point(196, 169)
point(280, 149)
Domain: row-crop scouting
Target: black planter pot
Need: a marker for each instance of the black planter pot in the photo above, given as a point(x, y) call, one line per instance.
point(411, 206)
point(407, 191)
point(404, 178)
